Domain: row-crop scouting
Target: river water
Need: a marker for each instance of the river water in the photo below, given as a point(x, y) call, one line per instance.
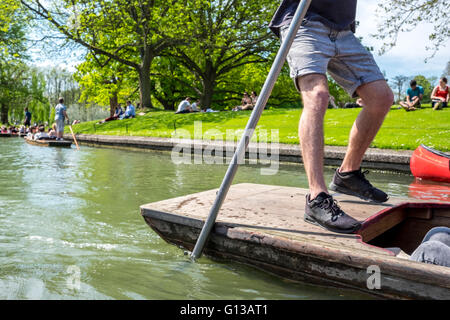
point(71, 227)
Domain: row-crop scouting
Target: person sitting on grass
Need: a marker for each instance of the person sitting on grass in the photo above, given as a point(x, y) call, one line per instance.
point(246, 103)
point(41, 135)
point(254, 98)
point(117, 113)
point(196, 106)
point(332, 103)
point(205, 109)
point(130, 112)
point(184, 106)
point(414, 95)
point(440, 95)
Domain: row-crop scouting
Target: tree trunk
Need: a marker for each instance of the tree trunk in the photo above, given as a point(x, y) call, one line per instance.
point(145, 84)
point(113, 102)
point(209, 83)
point(208, 91)
point(4, 114)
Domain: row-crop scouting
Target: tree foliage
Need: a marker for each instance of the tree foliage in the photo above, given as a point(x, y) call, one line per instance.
point(407, 15)
point(226, 35)
point(132, 32)
point(427, 86)
point(399, 84)
point(20, 85)
point(212, 50)
point(106, 85)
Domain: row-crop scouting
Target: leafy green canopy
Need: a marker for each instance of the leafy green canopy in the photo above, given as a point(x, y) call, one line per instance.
point(407, 15)
point(20, 85)
point(131, 33)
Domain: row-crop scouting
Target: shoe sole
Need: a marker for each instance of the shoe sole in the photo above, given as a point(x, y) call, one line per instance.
point(349, 192)
point(313, 221)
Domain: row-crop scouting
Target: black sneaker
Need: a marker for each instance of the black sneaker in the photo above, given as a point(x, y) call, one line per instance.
point(325, 212)
point(354, 183)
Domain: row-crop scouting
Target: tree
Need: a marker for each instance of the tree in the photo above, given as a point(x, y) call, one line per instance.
point(406, 15)
point(105, 86)
point(21, 86)
point(226, 35)
point(399, 82)
point(17, 81)
point(60, 83)
point(131, 33)
point(8, 9)
point(427, 87)
point(172, 82)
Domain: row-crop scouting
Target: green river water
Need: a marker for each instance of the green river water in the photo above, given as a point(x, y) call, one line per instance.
point(62, 209)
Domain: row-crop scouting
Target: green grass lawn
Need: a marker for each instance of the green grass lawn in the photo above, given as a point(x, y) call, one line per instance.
point(401, 130)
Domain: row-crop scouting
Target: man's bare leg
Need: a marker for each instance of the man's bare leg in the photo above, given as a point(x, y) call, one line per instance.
point(377, 98)
point(314, 90)
point(414, 102)
point(405, 105)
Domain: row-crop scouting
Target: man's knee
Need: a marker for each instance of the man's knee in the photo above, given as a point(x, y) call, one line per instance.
point(314, 90)
point(379, 93)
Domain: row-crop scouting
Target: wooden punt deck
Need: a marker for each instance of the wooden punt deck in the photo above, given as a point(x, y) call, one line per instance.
point(49, 143)
point(263, 226)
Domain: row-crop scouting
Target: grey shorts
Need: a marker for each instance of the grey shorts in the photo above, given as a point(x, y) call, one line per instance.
point(59, 125)
point(319, 49)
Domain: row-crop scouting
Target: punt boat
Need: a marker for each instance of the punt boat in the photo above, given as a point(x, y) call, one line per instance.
point(262, 226)
point(6, 135)
point(49, 143)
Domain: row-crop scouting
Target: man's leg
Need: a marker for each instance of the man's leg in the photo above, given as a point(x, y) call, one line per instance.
point(415, 102)
point(377, 97)
point(405, 105)
point(314, 90)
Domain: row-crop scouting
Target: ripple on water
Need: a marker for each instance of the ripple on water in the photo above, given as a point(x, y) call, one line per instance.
point(63, 208)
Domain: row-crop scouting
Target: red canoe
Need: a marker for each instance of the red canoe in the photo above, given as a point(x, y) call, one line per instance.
point(427, 163)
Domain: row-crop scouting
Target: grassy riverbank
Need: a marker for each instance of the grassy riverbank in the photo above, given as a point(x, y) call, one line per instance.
point(401, 130)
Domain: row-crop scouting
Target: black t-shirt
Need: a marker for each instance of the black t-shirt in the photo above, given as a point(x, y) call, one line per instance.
point(336, 14)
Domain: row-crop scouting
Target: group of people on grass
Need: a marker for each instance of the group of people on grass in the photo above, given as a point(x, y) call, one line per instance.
point(248, 102)
point(414, 95)
point(185, 106)
point(119, 114)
